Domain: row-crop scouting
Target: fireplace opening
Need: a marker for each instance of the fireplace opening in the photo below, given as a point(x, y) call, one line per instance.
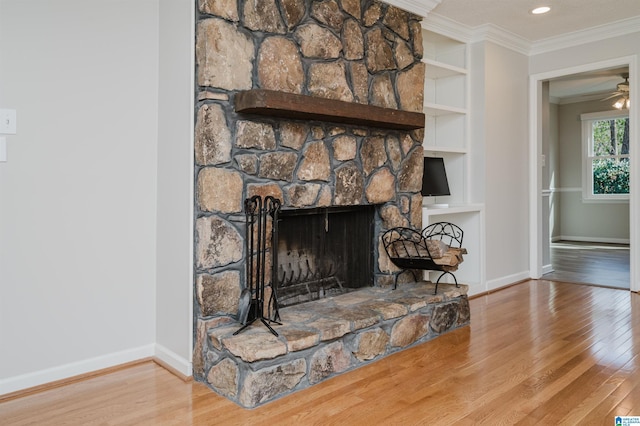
point(323, 252)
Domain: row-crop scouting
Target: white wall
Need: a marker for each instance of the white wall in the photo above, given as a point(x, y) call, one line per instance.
point(175, 183)
point(78, 192)
point(501, 95)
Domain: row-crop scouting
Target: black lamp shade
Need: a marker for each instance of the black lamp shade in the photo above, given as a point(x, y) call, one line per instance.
point(434, 179)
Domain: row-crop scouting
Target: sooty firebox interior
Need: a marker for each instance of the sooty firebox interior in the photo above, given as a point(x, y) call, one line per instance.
point(324, 252)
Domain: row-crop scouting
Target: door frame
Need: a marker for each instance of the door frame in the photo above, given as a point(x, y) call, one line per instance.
point(535, 163)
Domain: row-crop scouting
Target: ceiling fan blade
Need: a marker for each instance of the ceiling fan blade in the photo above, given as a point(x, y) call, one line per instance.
point(614, 95)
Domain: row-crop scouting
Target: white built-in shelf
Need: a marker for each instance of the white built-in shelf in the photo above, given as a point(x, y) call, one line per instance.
point(452, 209)
point(436, 69)
point(444, 149)
point(437, 110)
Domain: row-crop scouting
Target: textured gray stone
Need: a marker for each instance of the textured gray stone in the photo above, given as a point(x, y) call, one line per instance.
point(403, 54)
point(224, 377)
point(265, 190)
point(373, 154)
point(392, 217)
point(379, 54)
point(328, 80)
point(395, 151)
point(318, 42)
point(328, 13)
point(303, 195)
point(218, 243)
point(330, 328)
point(250, 134)
point(443, 317)
point(398, 21)
point(352, 7)
point(359, 81)
point(224, 55)
point(227, 9)
point(268, 383)
point(409, 329)
point(349, 184)
point(410, 176)
point(315, 164)
point(353, 40)
point(410, 85)
point(219, 190)
point(329, 360)
point(381, 187)
point(263, 15)
point(416, 211)
point(280, 65)
point(298, 340)
point(212, 136)
point(293, 12)
point(416, 38)
point(218, 293)
point(382, 92)
point(344, 148)
point(247, 163)
point(251, 347)
point(464, 311)
point(371, 344)
point(293, 135)
point(278, 165)
point(372, 14)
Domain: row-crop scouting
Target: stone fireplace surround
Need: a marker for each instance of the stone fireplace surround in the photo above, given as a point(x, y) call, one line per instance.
point(362, 52)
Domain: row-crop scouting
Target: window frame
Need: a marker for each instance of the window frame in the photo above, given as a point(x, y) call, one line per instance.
point(587, 159)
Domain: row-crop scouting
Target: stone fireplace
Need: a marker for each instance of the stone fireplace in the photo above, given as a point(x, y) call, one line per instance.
point(306, 101)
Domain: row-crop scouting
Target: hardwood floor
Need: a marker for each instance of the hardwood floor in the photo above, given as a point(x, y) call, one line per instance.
point(590, 263)
point(538, 352)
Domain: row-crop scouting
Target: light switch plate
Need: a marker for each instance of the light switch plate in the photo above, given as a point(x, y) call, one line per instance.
point(8, 121)
point(3, 149)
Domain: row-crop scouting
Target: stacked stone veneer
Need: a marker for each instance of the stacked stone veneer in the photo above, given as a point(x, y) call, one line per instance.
point(351, 50)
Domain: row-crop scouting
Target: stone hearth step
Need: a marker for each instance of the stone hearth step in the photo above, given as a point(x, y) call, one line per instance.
point(320, 339)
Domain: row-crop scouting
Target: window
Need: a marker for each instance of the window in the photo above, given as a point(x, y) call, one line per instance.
point(605, 147)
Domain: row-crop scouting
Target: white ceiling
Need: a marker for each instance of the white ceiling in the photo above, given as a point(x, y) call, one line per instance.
point(565, 17)
point(514, 15)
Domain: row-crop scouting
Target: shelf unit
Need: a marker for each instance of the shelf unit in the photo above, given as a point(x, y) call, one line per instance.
point(446, 109)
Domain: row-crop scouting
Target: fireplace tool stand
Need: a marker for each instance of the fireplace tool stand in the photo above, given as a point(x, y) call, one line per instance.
point(252, 298)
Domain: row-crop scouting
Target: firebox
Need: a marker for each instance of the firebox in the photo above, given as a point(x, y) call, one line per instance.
point(324, 252)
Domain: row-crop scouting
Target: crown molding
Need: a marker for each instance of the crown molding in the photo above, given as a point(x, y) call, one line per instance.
point(418, 7)
point(501, 37)
point(488, 32)
point(576, 38)
point(447, 27)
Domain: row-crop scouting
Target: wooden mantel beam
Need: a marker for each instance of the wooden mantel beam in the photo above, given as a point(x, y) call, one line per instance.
point(304, 107)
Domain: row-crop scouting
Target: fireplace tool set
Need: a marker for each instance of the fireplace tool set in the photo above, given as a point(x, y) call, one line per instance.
point(252, 298)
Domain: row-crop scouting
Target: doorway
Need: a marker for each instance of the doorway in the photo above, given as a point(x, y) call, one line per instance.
point(540, 202)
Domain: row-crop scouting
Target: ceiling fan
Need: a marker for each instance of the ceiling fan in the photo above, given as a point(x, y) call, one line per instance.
point(622, 93)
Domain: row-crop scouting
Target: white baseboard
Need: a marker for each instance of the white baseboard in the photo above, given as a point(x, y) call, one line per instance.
point(507, 280)
point(173, 360)
point(592, 240)
point(41, 377)
point(546, 269)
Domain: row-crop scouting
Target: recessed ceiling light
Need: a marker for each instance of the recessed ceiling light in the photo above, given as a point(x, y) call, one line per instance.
point(540, 10)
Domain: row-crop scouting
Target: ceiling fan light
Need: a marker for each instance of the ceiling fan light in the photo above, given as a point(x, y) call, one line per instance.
point(628, 103)
point(620, 103)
